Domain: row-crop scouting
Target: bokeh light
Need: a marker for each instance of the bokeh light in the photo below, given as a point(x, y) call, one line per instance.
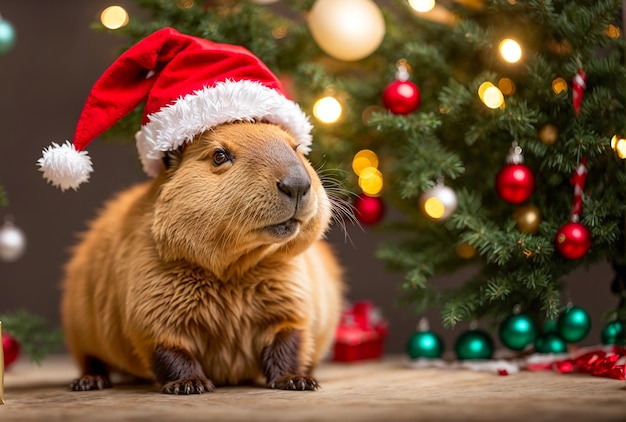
point(618, 143)
point(559, 85)
point(371, 181)
point(363, 159)
point(114, 17)
point(434, 208)
point(612, 31)
point(507, 86)
point(491, 95)
point(327, 110)
point(422, 6)
point(510, 50)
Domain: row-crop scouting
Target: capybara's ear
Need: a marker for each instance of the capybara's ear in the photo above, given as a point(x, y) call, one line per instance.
point(172, 159)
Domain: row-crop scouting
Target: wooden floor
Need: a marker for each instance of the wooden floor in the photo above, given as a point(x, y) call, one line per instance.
point(385, 390)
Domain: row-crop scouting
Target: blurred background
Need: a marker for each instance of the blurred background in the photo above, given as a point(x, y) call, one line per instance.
point(44, 80)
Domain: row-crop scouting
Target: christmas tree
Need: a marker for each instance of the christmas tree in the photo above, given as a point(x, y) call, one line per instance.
point(496, 126)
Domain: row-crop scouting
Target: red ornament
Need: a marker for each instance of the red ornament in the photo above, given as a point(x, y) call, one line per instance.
point(515, 183)
point(573, 240)
point(10, 348)
point(369, 209)
point(401, 97)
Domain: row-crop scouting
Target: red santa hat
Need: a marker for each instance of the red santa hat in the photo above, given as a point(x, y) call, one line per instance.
point(189, 85)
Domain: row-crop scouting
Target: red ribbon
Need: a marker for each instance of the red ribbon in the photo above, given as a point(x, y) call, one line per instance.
point(596, 362)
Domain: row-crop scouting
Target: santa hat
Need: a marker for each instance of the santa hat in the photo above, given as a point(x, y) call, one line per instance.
point(189, 85)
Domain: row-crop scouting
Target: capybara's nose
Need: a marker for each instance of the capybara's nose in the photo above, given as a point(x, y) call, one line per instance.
point(295, 185)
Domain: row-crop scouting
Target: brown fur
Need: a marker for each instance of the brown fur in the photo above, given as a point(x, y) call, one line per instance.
point(184, 270)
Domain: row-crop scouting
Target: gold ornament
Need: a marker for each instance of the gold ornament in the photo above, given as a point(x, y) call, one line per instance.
point(528, 218)
point(548, 134)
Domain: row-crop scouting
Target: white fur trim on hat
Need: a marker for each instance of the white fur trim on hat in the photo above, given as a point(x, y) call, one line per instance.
point(64, 166)
point(225, 102)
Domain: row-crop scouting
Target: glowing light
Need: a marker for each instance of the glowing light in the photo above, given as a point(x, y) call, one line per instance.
point(559, 85)
point(507, 86)
point(619, 146)
point(434, 208)
point(327, 110)
point(371, 181)
point(490, 95)
point(114, 17)
point(363, 159)
point(612, 31)
point(510, 50)
point(422, 6)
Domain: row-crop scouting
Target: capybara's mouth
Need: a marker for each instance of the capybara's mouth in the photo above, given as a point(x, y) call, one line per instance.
point(284, 229)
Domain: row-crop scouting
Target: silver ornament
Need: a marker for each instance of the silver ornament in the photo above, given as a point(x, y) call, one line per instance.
point(12, 242)
point(439, 202)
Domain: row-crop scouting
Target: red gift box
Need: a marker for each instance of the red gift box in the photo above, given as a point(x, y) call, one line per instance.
point(360, 334)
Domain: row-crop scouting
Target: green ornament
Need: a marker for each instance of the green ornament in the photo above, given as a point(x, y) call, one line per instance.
point(614, 333)
point(424, 344)
point(574, 324)
point(517, 331)
point(550, 326)
point(474, 344)
point(550, 343)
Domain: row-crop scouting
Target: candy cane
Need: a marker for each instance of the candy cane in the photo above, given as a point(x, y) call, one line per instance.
point(578, 180)
point(579, 83)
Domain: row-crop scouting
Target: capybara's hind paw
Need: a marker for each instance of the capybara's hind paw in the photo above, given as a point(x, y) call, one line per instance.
point(189, 386)
point(90, 382)
point(295, 382)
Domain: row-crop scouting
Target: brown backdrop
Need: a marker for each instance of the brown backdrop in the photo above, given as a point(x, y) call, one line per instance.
point(44, 81)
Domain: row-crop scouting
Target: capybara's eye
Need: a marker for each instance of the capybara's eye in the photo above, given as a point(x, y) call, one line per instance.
point(220, 157)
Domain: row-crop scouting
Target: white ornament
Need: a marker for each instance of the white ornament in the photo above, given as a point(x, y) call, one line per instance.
point(439, 202)
point(12, 242)
point(347, 29)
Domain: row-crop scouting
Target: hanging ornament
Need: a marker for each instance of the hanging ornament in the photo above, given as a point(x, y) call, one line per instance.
point(614, 332)
point(517, 330)
point(401, 96)
point(528, 218)
point(579, 84)
point(12, 241)
point(7, 35)
point(573, 324)
point(573, 240)
point(550, 326)
point(347, 29)
point(369, 210)
point(424, 343)
point(548, 134)
point(550, 343)
point(515, 182)
point(10, 349)
point(439, 202)
point(474, 344)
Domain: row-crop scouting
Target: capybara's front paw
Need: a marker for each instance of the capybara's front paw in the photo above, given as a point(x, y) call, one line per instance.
point(90, 382)
point(295, 382)
point(189, 386)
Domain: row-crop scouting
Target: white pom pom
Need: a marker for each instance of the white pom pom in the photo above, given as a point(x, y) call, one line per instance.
point(64, 166)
